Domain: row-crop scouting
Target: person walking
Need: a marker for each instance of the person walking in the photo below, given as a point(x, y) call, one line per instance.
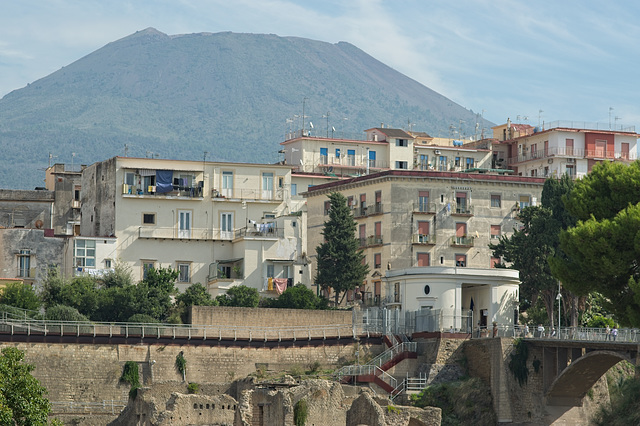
point(540, 330)
point(614, 333)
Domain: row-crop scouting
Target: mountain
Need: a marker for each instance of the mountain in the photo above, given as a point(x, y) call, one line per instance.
point(228, 94)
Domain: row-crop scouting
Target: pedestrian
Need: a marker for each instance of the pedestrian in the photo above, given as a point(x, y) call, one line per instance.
point(495, 329)
point(478, 332)
point(526, 330)
point(540, 330)
point(607, 333)
point(614, 333)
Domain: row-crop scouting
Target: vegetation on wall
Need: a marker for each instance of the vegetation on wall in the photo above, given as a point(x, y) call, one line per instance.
point(518, 362)
point(181, 365)
point(296, 297)
point(300, 413)
point(463, 402)
point(130, 375)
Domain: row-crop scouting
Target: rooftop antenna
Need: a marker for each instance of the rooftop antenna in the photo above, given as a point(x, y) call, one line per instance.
point(327, 117)
point(51, 157)
point(304, 103)
point(204, 156)
point(615, 122)
point(610, 109)
point(539, 116)
point(482, 130)
point(126, 150)
point(73, 155)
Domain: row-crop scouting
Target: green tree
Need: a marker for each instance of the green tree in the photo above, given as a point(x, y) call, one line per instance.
point(299, 297)
point(195, 295)
point(341, 264)
point(22, 397)
point(601, 251)
point(21, 296)
point(241, 296)
point(528, 249)
point(64, 313)
point(119, 276)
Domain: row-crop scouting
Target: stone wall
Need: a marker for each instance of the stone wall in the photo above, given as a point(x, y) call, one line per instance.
point(90, 373)
point(266, 317)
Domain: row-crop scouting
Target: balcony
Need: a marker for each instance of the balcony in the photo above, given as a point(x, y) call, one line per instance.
point(375, 209)
point(330, 164)
point(260, 230)
point(462, 241)
point(424, 207)
point(135, 191)
point(461, 209)
point(360, 211)
point(173, 233)
point(75, 204)
point(425, 239)
point(564, 152)
point(371, 241)
point(231, 194)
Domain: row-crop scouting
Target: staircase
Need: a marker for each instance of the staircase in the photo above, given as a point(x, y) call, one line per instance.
point(375, 371)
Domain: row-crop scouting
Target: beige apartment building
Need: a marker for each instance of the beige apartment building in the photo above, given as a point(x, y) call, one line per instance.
point(562, 147)
point(409, 219)
point(219, 224)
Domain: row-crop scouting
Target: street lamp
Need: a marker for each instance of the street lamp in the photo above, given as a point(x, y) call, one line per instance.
point(559, 299)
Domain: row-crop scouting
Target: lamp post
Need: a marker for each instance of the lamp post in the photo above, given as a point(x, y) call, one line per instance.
point(559, 299)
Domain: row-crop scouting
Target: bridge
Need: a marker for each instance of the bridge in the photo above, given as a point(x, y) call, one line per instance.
point(572, 359)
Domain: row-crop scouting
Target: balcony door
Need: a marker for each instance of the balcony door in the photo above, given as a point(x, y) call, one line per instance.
point(184, 224)
point(267, 186)
point(227, 184)
point(226, 225)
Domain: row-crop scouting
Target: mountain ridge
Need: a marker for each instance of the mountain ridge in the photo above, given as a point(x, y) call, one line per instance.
point(230, 94)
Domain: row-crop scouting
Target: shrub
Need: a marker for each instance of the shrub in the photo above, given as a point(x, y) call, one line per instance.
point(193, 388)
point(130, 375)
point(143, 319)
point(300, 413)
point(64, 313)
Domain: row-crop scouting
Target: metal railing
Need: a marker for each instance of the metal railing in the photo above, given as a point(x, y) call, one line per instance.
point(366, 370)
point(392, 352)
point(31, 327)
point(415, 384)
point(188, 234)
point(587, 334)
point(423, 239)
point(462, 241)
point(424, 207)
point(571, 153)
point(584, 125)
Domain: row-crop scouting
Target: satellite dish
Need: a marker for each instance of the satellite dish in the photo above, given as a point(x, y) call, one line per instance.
point(311, 124)
point(301, 162)
point(333, 129)
point(39, 224)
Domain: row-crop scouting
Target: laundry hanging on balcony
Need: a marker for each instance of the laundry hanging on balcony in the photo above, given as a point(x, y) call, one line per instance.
point(164, 181)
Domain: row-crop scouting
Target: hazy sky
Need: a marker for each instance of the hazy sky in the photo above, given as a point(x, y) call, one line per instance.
point(574, 60)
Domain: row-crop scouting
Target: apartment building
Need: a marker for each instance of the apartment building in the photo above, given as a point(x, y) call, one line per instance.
point(562, 147)
point(419, 219)
point(219, 224)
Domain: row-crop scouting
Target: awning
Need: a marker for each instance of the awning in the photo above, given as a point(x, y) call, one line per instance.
point(280, 260)
point(237, 259)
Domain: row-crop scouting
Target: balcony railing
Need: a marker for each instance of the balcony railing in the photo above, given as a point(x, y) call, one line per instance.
point(424, 207)
point(247, 194)
point(347, 161)
point(424, 239)
point(178, 191)
point(266, 230)
point(371, 241)
point(462, 241)
point(462, 209)
point(572, 153)
point(172, 233)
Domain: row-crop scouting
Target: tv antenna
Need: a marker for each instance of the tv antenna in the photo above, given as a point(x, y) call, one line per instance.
point(51, 157)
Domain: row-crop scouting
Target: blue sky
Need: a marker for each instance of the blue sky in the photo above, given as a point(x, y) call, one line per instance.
point(572, 60)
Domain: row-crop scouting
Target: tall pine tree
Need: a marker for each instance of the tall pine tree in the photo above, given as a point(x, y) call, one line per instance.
point(340, 260)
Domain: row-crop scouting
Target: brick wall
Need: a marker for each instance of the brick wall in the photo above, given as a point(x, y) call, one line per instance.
point(265, 317)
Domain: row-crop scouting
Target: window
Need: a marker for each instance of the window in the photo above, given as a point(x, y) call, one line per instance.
point(569, 146)
point(423, 201)
point(294, 189)
point(378, 205)
point(396, 292)
point(624, 150)
point(401, 165)
point(337, 153)
point(351, 157)
point(534, 172)
point(327, 207)
point(461, 260)
point(570, 170)
point(184, 272)
point(461, 233)
point(378, 232)
point(149, 184)
point(146, 266)
point(470, 163)
point(227, 184)
point(423, 231)
point(423, 259)
point(350, 202)
point(372, 159)
point(534, 150)
point(456, 162)
point(525, 201)
point(495, 231)
point(148, 218)
point(362, 232)
point(129, 179)
point(24, 263)
point(461, 202)
point(442, 163)
point(76, 192)
point(107, 263)
point(423, 163)
point(496, 200)
point(324, 156)
point(270, 271)
point(226, 225)
point(267, 185)
point(377, 260)
point(286, 271)
point(85, 254)
point(402, 142)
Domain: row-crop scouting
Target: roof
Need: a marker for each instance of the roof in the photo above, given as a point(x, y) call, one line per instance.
point(392, 133)
point(429, 174)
